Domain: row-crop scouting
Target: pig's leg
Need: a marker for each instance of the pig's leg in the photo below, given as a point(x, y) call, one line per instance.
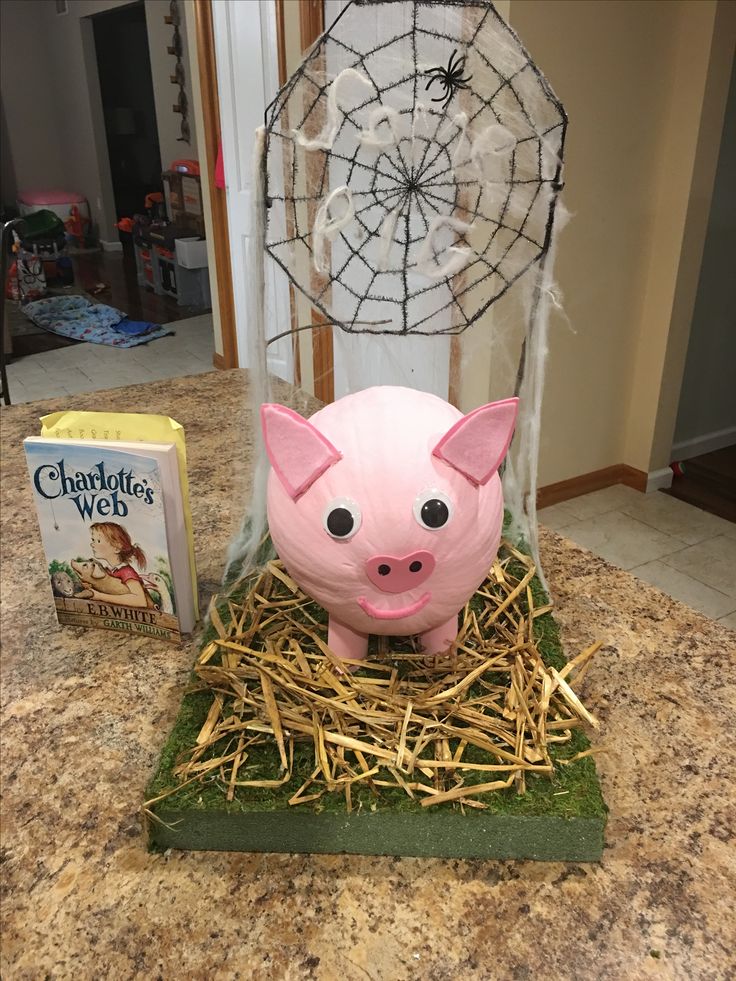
point(345, 642)
point(438, 640)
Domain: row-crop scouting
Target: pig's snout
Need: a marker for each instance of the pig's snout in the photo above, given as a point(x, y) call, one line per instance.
point(392, 574)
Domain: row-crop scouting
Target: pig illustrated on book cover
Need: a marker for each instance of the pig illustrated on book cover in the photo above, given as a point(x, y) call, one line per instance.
point(112, 526)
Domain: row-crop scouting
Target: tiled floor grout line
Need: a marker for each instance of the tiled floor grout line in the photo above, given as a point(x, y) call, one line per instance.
point(665, 523)
point(690, 575)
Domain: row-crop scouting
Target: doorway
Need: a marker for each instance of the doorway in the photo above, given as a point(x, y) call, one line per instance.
point(704, 445)
point(126, 87)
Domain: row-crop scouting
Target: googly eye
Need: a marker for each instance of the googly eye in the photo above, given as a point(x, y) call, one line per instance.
point(341, 518)
point(433, 509)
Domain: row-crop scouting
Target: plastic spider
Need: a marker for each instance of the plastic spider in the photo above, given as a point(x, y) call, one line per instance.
point(451, 78)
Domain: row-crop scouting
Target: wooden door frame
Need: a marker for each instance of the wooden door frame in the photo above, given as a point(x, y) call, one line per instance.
point(218, 195)
point(311, 26)
point(283, 75)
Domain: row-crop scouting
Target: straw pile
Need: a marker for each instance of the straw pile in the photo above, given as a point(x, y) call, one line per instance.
point(478, 719)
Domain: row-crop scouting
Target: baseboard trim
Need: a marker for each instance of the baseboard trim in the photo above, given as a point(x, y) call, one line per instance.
point(111, 246)
point(565, 490)
point(218, 361)
point(659, 479)
point(708, 443)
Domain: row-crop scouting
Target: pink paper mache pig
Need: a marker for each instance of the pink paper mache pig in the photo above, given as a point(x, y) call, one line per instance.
point(386, 507)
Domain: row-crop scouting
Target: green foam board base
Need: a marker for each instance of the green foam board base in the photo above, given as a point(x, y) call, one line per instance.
point(559, 818)
point(426, 833)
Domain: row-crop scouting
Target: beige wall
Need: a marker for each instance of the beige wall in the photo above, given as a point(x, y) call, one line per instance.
point(633, 79)
point(644, 84)
point(52, 100)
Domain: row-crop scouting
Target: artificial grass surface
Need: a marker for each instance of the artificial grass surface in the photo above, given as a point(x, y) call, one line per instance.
point(560, 816)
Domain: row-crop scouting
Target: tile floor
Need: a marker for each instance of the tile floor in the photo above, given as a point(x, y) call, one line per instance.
point(95, 367)
point(682, 550)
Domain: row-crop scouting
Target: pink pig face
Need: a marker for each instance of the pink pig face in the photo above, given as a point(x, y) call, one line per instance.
point(386, 506)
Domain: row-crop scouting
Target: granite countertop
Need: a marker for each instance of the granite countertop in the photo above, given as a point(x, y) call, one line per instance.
point(86, 712)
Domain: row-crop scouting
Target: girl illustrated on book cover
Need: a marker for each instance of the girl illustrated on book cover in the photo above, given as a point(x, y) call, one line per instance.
point(115, 574)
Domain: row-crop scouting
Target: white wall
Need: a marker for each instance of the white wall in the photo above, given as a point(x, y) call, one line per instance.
point(33, 152)
point(708, 397)
point(52, 99)
point(165, 94)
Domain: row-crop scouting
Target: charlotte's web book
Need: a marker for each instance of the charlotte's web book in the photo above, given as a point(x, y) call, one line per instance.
point(112, 521)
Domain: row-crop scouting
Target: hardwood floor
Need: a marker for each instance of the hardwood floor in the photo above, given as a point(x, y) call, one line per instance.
point(709, 482)
point(116, 270)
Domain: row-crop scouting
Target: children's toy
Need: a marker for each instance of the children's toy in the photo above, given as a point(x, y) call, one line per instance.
point(43, 228)
point(75, 226)
point(183, 197)
point(31, 276)
point(12, 288)
point(169, 259)
point(386, 507)
point(59, 201)
point(186, 167)
point(155, 204)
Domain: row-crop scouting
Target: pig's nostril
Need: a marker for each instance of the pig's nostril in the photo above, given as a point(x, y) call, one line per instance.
point(383, 570)
point(415, 567)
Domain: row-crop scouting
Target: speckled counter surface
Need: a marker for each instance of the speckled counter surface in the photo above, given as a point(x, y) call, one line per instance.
point(85, 714)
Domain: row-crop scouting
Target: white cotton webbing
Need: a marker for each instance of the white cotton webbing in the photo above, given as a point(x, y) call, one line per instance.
point(371, 137)
point(328, 225)
point(521, 473)
point(244, 546)
point(327, 137)
point(457, 258)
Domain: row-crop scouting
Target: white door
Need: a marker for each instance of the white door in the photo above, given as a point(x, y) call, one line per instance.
point(247, 77)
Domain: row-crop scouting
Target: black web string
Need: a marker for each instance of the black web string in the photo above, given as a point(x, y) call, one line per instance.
point(416, 191)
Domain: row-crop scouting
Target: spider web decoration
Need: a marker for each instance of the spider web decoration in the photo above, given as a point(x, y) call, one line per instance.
point(406, 178)
point(413, 164)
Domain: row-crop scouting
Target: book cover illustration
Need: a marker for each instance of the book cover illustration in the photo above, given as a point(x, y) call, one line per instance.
point(103, 526)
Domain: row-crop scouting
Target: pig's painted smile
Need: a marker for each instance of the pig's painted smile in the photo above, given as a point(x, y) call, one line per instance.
point(405, 611)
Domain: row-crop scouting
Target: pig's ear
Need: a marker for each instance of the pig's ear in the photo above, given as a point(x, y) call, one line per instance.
point(297, 451)
point(477, 443)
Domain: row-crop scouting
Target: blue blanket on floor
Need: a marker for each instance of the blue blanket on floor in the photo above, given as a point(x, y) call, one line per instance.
point(77, 318)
